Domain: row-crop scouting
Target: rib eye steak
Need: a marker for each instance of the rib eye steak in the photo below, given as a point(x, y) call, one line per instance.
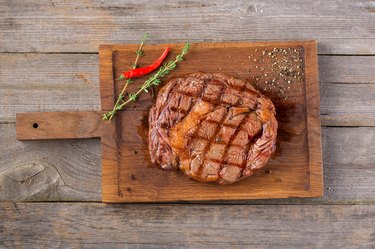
point(212, 127)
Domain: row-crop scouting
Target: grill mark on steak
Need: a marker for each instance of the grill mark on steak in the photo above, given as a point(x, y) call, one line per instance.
point(205, 82)
point(186, 94)
point(250, 142)
point(209, 146)
point(175, 91)
point(205, 85)
point(227, 146)
point(170, 90)
point(254, 139)
point(218, 125)
point(216, 102)
point(211, 142)
point(221, 162)
point(237, 88)
point(226, 125)
point(178, 110)
point(223, 89)
point(163, 108)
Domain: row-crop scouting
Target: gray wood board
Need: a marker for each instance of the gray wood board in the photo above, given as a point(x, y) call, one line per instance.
point(70, 170)
point(61, 82)
point(340, 27)
point(65, 170)
point(69, 225)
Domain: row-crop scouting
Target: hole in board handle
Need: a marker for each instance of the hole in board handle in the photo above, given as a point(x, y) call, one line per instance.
point(35, 125)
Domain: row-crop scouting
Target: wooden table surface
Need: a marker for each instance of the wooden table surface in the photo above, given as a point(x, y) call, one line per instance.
point(50, 191)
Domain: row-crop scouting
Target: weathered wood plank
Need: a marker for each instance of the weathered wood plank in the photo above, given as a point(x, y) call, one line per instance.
point(346, 69)
point(349, 162)
point(340, 27)
point(34, 82)
point(70, 169)
point(65, 170)
point(68, 225)
point(347, 104)
point(62, 82)
point(347, 90)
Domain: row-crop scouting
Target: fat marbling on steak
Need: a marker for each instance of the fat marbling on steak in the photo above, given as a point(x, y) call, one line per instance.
point(212, 127)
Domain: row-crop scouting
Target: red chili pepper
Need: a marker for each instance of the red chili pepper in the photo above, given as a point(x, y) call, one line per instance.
point(137, 72)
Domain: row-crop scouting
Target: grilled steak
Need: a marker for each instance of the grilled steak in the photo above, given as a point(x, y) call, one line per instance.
point(212, 127)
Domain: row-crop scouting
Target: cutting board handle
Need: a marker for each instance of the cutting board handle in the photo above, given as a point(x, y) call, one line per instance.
point(59, 125)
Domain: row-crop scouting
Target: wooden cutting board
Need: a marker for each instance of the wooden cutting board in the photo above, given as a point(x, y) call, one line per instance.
point(287, 72)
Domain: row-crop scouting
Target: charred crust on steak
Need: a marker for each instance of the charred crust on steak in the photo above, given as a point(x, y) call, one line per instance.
point(212, 127)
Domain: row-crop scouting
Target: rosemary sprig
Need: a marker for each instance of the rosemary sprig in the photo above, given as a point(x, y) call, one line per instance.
point(109, 115)
point(155, 80)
